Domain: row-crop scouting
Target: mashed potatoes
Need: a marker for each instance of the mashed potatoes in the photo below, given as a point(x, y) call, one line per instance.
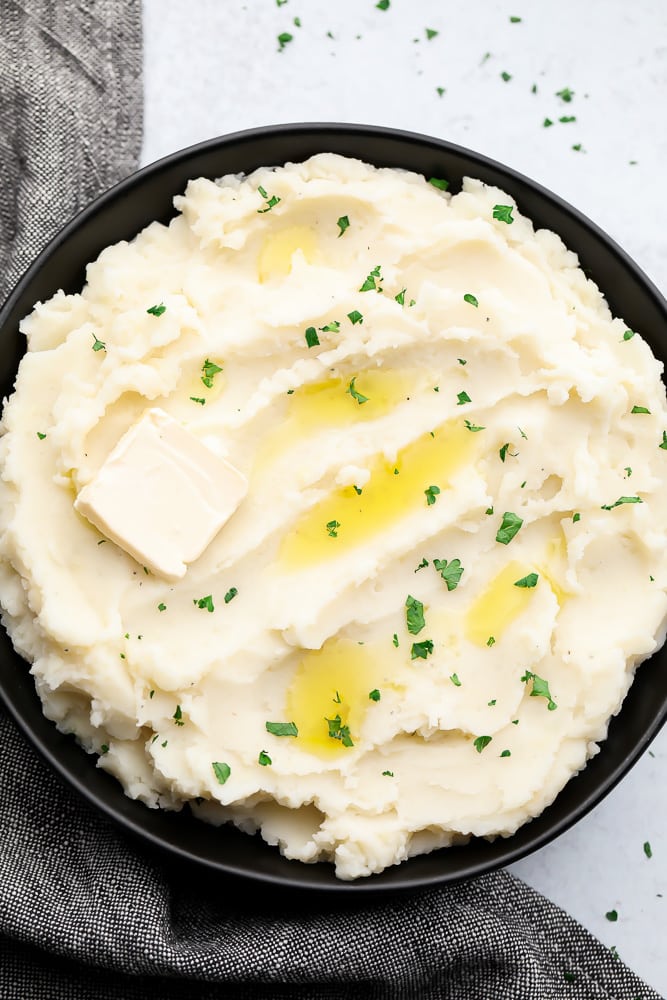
point(417, 622)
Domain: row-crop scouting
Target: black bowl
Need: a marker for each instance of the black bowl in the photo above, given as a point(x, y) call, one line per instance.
point(120, 214)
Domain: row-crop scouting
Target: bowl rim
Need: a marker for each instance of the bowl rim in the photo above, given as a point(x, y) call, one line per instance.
point(506, 849)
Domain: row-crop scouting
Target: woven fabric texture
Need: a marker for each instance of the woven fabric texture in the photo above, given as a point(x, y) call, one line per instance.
point(86, 912)
point(70, 115)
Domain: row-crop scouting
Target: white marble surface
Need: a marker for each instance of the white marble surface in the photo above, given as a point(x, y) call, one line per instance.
point(213, 66)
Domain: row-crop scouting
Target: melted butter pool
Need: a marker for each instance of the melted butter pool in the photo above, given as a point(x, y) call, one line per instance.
point(278, 249)
point(346, 519)
point(333, 681)
point(499, 605)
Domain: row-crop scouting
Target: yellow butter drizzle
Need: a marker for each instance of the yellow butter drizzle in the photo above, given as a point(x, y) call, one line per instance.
point(192, 386)
point(501, 603)
point(333, 681)
point(319, 405)
point(278, 249)
point(394, 490)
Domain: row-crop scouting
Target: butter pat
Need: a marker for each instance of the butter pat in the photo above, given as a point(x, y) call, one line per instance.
point(162, 495)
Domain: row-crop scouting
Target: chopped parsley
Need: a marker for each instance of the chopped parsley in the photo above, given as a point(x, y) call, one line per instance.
point(639, 409)
point(40, 435)
point(503, 213)
point(612, 916)
point(506, 76)
point(455, 680)
point(332, 528)
point(540, 689)
point(511, 524)
point(491, 641)
point(312, 340)
point(414, 615)
point(663, 443)
point(178, 716)
point(504, 451)
point(162, 607)
point(382, 4)
point(205, 603)
point(343, 224)
point(527, 582)
point(451, 572)
point(104, 748)
point(355, 317)
point(371, 282)
point(358, 490)
point(274, 199)
point(471, 300)
point(264, 758)
point(439, 182)
point(221, 771)
point(491, 703)
point(395, 639)
point(489, 510)
point(462, 361)
point(547, 122)
point(628, 335)
point(356, 395)
point(567, 118)
point(440, 91)
point(463, 397)
point(506, 753)
point(388, 774)
point(332, 327)
point(473, 427)
point(281, 728)
point(337, 731)
point(431, 33)
point(628, 470)
point(576, 517)
point(621, 500)
point(400, 298)
point(431, 492)
point(422, 565)
point(565, 94)
point(198, 399)
point(98, 345)
point(515, 20)
point(374, 695)
point(420, 650)
point(209, 371)
point(578, 148)
point(284, 38)
point(157, 310)
point(230, 595)
point(647, 850)
point(481, 742)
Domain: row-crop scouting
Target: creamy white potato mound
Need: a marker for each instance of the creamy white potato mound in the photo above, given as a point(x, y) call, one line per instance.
point(451, 557)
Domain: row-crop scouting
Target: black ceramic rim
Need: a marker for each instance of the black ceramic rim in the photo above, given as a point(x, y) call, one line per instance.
point(120, 214)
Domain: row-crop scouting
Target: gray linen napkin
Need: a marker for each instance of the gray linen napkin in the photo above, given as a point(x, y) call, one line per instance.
point(86, 912)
